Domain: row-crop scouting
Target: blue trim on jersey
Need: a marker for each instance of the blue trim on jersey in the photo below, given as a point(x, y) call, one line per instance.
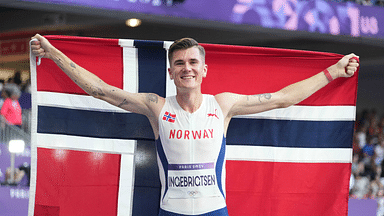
point(219, 212)
point(219, 166)
point(164, 162)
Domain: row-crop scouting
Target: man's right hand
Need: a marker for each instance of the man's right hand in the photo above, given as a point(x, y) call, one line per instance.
point(42, 48)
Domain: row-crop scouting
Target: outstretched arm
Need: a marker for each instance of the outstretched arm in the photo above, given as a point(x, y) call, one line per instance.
point(142, 103)
point(235, 104)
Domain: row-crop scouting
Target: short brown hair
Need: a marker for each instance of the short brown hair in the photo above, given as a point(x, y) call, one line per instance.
point(184, 43)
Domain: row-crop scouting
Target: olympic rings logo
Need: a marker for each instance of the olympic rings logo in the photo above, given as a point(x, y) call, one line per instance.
point(192, 193)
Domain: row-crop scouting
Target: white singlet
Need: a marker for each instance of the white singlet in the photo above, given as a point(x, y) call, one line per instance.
point(191, 159)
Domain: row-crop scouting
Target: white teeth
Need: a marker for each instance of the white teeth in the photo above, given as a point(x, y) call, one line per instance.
point(187, 77)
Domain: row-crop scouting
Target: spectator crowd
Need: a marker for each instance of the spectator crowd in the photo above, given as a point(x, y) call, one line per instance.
point(367, 179)
point(364, 2)
point(15, 96)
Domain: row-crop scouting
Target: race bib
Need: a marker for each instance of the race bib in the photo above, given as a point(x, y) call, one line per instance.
point(192, 180)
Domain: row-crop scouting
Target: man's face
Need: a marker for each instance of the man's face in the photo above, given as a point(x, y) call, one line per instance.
point(188, 68)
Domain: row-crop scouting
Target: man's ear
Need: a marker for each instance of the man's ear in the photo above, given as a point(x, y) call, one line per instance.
point(205, 71)
point(170, 73)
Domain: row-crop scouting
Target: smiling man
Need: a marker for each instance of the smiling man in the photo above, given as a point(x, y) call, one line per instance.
point(190, 128)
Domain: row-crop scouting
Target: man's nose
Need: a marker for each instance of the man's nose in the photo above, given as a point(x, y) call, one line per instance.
point(188, 66)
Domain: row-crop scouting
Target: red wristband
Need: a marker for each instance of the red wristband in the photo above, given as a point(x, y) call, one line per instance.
point(328, 75)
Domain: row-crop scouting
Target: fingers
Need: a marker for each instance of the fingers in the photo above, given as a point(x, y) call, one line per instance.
point(352, 64)
point(38, 52)
point(37, 41)
point(355, 59)
point(36, 46)
point(352, 55)
point(38, 37)
point(350, 70)
point(351, 67)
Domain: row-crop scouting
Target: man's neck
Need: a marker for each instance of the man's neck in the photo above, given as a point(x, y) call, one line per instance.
point(189, 101)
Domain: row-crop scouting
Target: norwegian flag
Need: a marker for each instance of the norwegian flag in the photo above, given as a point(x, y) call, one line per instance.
point(91, 158)
point(169, 117)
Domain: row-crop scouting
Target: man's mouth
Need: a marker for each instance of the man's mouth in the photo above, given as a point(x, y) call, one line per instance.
point(187, 77)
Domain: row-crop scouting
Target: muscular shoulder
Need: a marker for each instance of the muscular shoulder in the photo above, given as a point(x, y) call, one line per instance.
point(227, 100)
point(154, 102)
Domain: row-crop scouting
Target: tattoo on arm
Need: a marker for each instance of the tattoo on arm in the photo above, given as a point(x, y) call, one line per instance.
point(152, 98)
point(97, 91)
point(73, 65)
point(60, 66)
point(59, 63)
point(123, 103)
point(236, 96)
point(260, 96)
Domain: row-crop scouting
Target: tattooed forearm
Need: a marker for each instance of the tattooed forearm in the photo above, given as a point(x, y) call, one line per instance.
point(60, 63)
point(152, 98)
point(267, 96)
point(123, 103)
point(260, 97)
point(60, 66)
point(96, 91)
point(73, 65)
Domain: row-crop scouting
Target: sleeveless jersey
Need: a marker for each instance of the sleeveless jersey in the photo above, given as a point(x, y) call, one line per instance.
point(191, 159)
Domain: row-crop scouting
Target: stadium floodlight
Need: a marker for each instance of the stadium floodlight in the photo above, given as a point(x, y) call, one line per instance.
point(133, 22)
point(16, 146)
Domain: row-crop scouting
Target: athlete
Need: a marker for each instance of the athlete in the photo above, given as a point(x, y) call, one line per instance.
point(190, 128)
